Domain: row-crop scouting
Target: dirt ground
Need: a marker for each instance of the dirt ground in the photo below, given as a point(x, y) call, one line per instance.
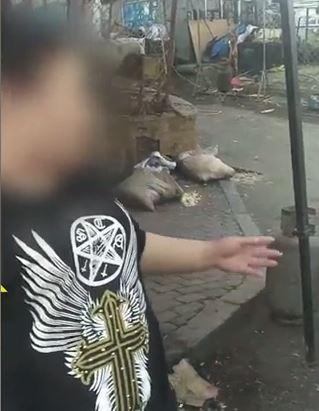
point(275, 99)
point(259, 365)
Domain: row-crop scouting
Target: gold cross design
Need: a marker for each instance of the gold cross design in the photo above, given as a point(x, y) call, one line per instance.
point(118, 350)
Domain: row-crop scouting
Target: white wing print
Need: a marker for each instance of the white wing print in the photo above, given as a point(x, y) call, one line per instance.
point(105, 342)
point(56, 299)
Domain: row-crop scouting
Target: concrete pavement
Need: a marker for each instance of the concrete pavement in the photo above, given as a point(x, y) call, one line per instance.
point(191, 307)
point(260, 142)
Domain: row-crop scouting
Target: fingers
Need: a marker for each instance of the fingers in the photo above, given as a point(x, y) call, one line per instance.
point(262, 263)
point(256, 241)
point(256, 272)
point(264, 252)
point(257, 266)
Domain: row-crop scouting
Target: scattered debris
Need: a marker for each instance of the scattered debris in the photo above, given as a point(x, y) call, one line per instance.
point(267, 111)
point(181, 106)
point(210, 113)
point(313, 102)
point(248, 178)
point(191, 199)
point(277, 69)
point(213, 113)
point(189, 387)
point(156, 32)
point(236, 83)
point(261, 332)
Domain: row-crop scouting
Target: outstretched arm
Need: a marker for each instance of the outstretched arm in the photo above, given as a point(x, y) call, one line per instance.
point(244, 255)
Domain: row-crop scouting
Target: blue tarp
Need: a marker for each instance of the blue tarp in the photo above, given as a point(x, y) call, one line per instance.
point(138, 14)
point(220, 48)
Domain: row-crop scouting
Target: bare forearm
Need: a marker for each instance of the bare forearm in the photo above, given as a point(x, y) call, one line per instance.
point(166, 255)
point(245, 255)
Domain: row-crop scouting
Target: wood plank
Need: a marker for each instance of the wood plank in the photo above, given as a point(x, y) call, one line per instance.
point(203, 31)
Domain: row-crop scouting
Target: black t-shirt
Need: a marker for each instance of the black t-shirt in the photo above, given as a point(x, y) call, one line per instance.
point(78, 332)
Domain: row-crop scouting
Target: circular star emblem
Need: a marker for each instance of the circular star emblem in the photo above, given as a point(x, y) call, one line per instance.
point(98, 244)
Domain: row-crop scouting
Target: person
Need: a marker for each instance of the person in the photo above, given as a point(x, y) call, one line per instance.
point(78, 330)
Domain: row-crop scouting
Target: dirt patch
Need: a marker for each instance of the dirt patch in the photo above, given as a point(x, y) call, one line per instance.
point(259, 365)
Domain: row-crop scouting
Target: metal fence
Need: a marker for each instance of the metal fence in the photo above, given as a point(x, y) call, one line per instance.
point(133, 14)
point(142, 13)
point(307, 27)
point(265, 14)
point(307, 31)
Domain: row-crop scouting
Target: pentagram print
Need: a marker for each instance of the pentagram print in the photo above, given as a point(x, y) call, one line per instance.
point(98, 244)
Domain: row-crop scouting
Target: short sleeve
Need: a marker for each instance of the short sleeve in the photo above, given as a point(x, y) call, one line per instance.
point(141, 239)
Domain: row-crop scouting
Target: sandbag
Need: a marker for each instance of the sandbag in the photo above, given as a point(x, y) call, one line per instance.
point(173, 190)
point(144, 189)
point(203, 165)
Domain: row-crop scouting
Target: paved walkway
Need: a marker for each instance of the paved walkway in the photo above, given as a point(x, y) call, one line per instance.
point(260, 142)
point(190, 307)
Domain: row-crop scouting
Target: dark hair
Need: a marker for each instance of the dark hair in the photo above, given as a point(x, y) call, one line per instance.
point(27, 39)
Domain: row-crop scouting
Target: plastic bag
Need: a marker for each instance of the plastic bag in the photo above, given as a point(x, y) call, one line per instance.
point(156, 32)
point(157, 162)
point(189, 387)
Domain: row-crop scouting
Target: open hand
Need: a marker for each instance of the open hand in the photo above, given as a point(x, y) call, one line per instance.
point(245, 255)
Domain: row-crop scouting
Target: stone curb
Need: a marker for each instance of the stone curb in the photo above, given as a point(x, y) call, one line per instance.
point(238, 208)
point(201, 329)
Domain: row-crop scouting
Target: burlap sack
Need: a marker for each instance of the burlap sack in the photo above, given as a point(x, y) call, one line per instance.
point(203, 165)
point(144, 189)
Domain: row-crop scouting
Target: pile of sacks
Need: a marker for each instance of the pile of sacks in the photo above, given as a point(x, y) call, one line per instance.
point(152, 182)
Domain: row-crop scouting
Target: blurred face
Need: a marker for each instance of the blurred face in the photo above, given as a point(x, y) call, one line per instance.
point(49, 120)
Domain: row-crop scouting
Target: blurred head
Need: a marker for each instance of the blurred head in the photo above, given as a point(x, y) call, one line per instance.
point(46, 105)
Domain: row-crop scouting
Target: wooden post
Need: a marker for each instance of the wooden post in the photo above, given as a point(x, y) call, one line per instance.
point(171, 48)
